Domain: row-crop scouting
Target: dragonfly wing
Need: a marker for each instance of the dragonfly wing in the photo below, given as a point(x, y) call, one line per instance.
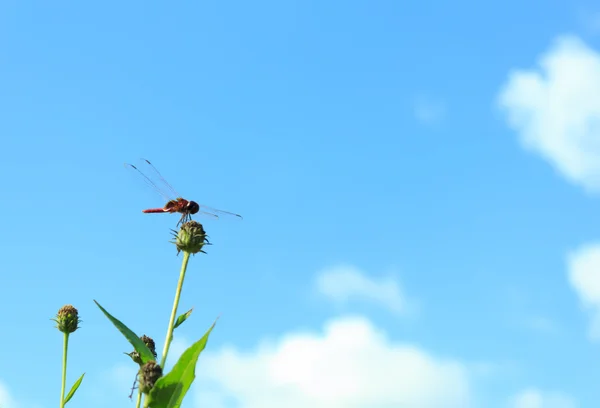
point(148, 181)
point(218, 213)
point(158, 178)
point(213, 216)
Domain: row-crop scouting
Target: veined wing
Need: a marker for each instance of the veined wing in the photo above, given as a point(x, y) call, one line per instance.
point(218, 213)
point(153, 173)
point(153, 179)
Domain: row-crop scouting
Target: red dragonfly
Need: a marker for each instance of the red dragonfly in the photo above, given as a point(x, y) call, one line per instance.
point(175, 203)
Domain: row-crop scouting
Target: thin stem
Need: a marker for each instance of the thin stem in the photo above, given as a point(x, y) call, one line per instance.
point(186, 257)
point(64, 369)
point(138, 404)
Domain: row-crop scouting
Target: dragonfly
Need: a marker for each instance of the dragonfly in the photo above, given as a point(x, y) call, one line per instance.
point(175, 203)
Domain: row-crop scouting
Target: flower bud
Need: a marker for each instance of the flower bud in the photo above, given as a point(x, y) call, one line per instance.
point(190, 238)
point(149, 343)
point(149, 374)
point(67, 319)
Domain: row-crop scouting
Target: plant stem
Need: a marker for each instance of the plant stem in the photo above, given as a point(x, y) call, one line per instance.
point(64, 369)
point(186, 257)
point(139, 399)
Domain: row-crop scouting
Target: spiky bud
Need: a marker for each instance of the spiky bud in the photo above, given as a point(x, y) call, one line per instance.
point(67, 319)
point(135, 356)
point(190, 238)
point(149, 374)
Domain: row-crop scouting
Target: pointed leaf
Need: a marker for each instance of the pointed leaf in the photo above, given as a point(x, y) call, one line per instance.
point(137, 343)
point(182, 318)
point(74, 388)
point(168, 392)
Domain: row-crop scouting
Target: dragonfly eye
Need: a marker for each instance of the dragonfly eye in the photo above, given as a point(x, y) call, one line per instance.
point(193, 207)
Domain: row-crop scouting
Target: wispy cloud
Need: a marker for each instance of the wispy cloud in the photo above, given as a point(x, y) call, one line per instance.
point(429, 110)
point(5, 399)
point(535, 398)
point(584, 277)
point(555, 109)
point(344, 284)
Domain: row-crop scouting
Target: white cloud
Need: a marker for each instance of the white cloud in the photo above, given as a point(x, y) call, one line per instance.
point(343, 284)
point(584, 277)
point(6, 400)
point(350, 365)
point(556, 109)
point(429, 110)
point(534, 398)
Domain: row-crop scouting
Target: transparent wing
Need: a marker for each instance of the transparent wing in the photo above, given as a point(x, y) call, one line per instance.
point(153, 173)
point(149, 182)
point(218, 213)
point(208, 215)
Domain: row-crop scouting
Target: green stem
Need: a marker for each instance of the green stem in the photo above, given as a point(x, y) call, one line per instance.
point(64, 369)
point(186, 257)
point(139, 399)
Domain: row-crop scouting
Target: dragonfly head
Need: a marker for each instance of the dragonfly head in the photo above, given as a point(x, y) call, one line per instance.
point(193, 207)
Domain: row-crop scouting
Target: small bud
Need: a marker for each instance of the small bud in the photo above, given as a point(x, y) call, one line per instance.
point(67, 319)
point(149, 374)
point(135, 356)
point(190, 238)
point(149, 343)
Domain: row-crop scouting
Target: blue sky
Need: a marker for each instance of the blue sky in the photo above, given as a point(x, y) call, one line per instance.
point(419, 184)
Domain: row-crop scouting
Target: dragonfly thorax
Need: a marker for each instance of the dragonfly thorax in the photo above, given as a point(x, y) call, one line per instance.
point(192, 207)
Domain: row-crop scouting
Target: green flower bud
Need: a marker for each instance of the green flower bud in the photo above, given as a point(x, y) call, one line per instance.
point(67, 319)
point(149, 374)
point(190, 238)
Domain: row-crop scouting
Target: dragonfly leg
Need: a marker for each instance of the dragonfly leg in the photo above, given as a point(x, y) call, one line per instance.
point(184, 218)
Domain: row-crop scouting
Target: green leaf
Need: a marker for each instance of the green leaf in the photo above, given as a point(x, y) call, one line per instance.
point(137, 343)
point(168, 392)
point(74, 388)
point(182, 318)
